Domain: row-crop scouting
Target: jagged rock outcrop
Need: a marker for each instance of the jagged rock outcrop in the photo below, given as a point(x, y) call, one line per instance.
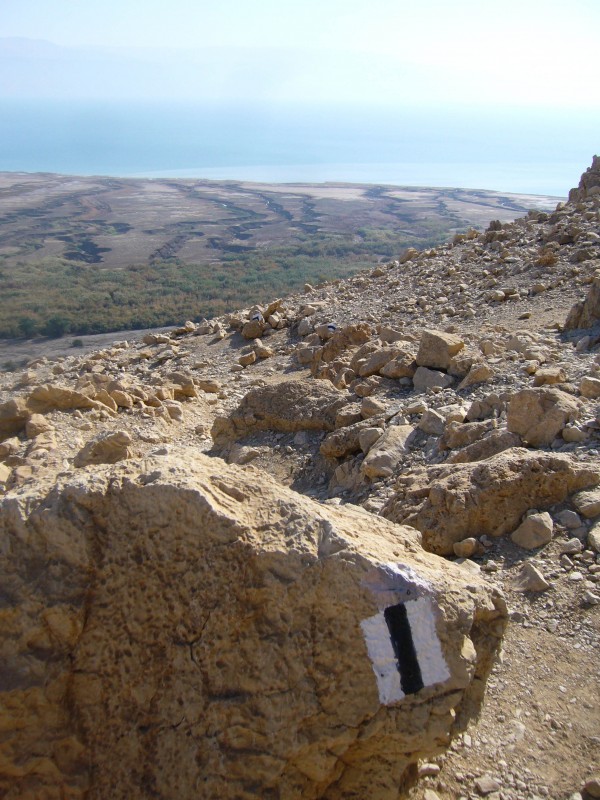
point(589, 183)
point(586, 313)
point(292, 405)
point(449, 503)
point(178, 627)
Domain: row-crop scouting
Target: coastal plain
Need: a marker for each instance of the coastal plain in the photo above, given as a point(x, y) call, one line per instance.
point(93, 254)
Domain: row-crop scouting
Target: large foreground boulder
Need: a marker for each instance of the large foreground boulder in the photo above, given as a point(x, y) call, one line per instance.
point(452, 502)
point(176, 627)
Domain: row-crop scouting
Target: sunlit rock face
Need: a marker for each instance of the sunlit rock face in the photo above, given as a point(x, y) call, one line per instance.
point(178, 627)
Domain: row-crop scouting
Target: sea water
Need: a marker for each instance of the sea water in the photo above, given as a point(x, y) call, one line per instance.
point(517, 151)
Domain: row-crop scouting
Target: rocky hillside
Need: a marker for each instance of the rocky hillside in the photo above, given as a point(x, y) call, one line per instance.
point(340, 545)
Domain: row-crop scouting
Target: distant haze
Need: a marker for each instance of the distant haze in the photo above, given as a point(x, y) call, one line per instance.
point(518, 52)
point(194, 87)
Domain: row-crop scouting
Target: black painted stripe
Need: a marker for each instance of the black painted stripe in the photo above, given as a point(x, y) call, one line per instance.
point(396, 618)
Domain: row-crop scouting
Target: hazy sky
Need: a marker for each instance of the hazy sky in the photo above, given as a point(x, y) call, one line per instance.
point(516, 52)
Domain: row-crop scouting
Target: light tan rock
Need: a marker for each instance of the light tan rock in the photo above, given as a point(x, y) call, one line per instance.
point(378, 360)
point(344, 339)
point(209, 385)
point(384, 457)
point(105, 398)
point(531, 579)
point(121, 398)
point(586, 314)
point(588, 503)
point(105, 449)
point(368, 437)
point(593, 538)
point(174, 410)
point(458, 434)
point(534, 531)
point(432, 422)
point(49, 398)
point(5, 473)
point(9, 447)
point(372, 407)
point(539, 415)
point(247, 359)
point(571, 433)
point(436, 349)
point(590, 388)
point(492, 443)
point(402, 366)
point(466, 548)
point(290, 405)
point(549, 375)
point(346, 441)
point(254, 329)
point(13, 416)
point(425, 378)
point(197, 620)
point(454, 502)
point(183, 385)
point(478, 373)
point(36, 425)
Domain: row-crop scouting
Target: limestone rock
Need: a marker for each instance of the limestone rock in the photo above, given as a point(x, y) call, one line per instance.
point(534, 531)
point(454, 502)
point(209, 385)
point(402, 366)
point(539, 415)
point(378, 360)
point(530, 579)
point(425, 378)
point(49, 398)
point(106, 449)
point(478, 373)
point(36, 425)
point(201, 632)
point(592, 787)
point(347, 440)
point(432, 422)
point(590, 388)
point(466, 548)
point(13, 416)
point(122, 399)
point(594, 539)
point(9, 447)
point(290, 406)
point(254, 328)
point(589, 185)
point(5, 473)
point(586, 314)
point(588, 503)
point(493, 443)
point(458, 434)
point(436, 349)
point(247, 359)
point(383, 458)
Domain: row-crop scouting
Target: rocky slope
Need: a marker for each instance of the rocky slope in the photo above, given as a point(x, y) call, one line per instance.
point(440, 416)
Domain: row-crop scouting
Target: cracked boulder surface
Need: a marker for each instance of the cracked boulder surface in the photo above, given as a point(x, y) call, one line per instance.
point(178, 627)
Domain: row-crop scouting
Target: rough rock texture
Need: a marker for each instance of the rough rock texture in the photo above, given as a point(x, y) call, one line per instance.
point(503, 291)
point(200, 631)
point(437, 348)
point(384, 457)
point(587, 312)
point(450, 503)
point(293, 405)
point(539, 415)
